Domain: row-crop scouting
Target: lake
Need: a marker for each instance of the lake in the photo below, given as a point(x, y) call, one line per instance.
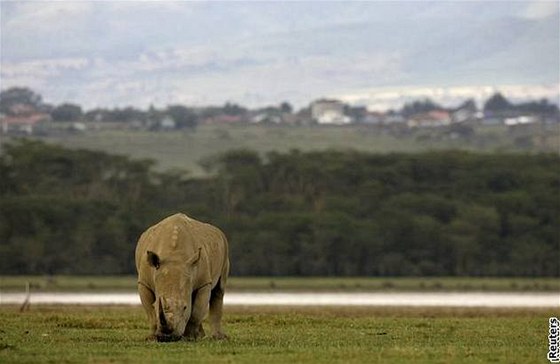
point(402, 299)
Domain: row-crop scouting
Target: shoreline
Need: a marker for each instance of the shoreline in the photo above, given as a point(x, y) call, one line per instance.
point(119, 284)
point(313, 299)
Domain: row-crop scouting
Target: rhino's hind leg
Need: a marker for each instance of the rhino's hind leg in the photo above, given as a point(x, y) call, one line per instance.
point(148, 298)
point(216, 309)
point(194, 329)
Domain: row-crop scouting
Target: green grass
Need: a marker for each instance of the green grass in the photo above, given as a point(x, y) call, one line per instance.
point(128, 283)
point(183, 150)
point(52, 334)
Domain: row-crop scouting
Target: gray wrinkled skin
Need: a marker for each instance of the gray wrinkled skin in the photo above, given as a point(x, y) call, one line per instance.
point(182, 267)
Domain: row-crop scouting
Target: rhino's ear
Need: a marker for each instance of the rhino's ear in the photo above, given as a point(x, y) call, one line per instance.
point(153, 259)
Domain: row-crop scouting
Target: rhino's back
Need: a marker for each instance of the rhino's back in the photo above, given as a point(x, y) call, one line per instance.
point(181, 236)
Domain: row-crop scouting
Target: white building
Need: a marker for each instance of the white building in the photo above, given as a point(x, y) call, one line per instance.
point(329, 112)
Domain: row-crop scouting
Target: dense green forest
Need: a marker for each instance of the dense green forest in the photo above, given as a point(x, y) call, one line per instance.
point(315, 213)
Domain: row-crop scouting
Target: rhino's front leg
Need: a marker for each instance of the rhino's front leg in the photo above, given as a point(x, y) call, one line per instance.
point(199, 311)
point(148, 298)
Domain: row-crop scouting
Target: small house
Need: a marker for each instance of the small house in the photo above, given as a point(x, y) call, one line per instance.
point(431, 119)
point(27, 124)
point(329, 112)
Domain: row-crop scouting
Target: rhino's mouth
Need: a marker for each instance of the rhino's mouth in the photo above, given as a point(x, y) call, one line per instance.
point(165, 330)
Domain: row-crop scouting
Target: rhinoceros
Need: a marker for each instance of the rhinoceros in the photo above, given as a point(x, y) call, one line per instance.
point(182, 267)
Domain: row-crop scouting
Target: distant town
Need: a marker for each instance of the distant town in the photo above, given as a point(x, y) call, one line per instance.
point(23, 112)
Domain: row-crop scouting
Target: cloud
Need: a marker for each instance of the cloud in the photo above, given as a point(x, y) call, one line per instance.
point(112, 29)
point(39, 30)
point(538, 9)
point(142, 52)
point(43, 68)
point(49, 16)
point(38, 74)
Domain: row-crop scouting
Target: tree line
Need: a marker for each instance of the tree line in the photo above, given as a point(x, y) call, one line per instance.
point(188, 117)
point(330, 213)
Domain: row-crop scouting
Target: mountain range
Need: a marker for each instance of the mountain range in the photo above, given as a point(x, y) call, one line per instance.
point(378, 54)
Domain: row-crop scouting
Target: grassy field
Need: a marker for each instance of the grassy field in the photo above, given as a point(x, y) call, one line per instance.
point(184, 150)
point(50, 334)
point(128, 283)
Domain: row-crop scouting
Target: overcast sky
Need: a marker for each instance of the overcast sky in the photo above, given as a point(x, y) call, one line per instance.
point(378, 54)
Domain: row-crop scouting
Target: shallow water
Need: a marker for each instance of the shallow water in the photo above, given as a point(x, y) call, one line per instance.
point(428, 299)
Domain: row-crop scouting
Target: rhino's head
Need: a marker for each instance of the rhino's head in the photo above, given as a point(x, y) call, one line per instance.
point(173, 290)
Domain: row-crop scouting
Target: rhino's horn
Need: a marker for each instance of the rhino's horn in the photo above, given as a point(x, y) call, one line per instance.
point(162, 320)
